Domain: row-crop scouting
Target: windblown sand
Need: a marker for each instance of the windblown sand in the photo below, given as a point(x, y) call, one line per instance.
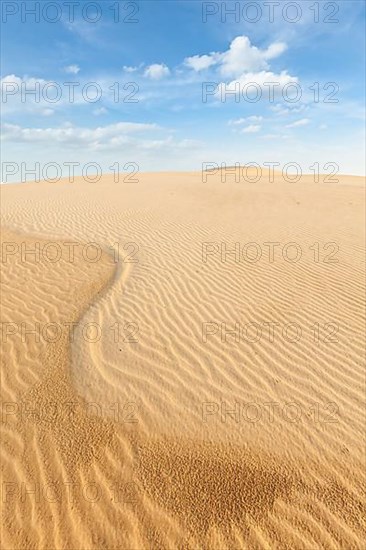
point(169, 434)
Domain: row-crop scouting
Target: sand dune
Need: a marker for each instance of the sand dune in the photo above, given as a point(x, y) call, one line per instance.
point(211, 393)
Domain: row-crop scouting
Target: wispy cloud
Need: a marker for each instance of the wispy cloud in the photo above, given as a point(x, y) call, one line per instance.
point(239, 121)
point(251, 129)
point(70, 135)
point(297, 123)
point(72, 69)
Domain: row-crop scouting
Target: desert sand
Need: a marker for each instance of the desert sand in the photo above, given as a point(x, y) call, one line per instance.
point(163, 430)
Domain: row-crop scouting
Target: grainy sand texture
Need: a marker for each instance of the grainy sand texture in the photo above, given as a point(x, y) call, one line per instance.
point(195, 378)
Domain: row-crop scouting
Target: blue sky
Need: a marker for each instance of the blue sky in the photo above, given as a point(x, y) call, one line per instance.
point(163, 53)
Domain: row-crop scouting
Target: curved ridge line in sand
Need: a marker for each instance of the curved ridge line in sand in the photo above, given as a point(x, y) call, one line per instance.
point(207, 489)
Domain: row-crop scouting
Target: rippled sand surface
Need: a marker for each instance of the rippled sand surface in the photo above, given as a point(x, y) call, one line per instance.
point(195, 378)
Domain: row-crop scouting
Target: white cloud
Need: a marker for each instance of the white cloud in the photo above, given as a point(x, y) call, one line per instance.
point(251, 129)
point(239, 121)
point(24, 95)
point(158, 148)
point(30, 95)
point(201, 62)
point(169, 142)
point(254, 85)
point(275, 136)
point(243, 57)
point(248, 65)
point(10, 79)
point(70, 135)
point(274, 50)
point(128, 69)
point(11, 85)
point(297, 123)
point(254, 118)
point(100, 111)
point(156, 71)
point(281, 110)
point(72, 69)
